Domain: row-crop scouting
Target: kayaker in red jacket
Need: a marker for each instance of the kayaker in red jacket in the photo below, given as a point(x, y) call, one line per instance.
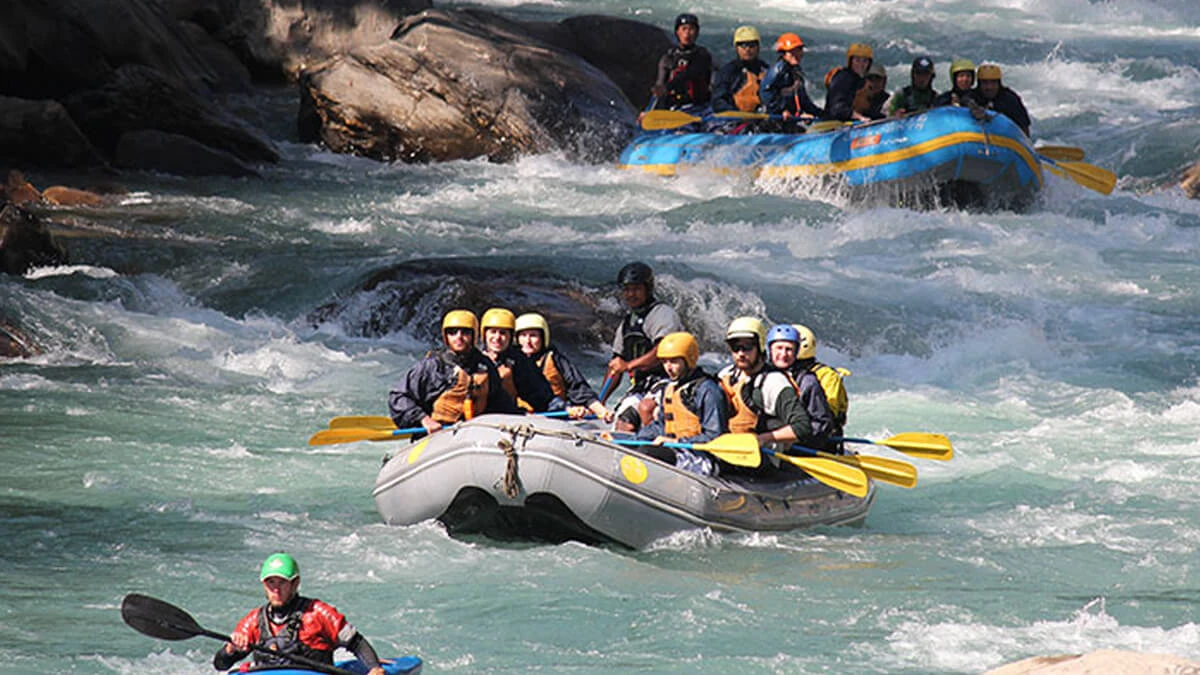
point(292, 624)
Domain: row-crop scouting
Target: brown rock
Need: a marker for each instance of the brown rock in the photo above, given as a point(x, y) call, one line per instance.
point(14, 343)
point(60, 195)
point(1102, 662)
point(1191, 181)
point(19, 191)
point(25, 242)
point(456, 85)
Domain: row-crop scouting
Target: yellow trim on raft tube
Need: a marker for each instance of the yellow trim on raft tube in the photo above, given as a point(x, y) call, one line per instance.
point(869, 161)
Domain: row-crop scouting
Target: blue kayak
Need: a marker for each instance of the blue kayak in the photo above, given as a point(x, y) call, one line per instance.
point(943, 155)
point(404, 665)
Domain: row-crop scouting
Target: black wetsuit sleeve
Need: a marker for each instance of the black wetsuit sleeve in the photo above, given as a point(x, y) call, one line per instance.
point(579, 392)
point(224, 661)
point(363, 650)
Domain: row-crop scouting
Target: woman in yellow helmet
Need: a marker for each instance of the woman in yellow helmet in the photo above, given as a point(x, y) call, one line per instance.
point(519, 376)
point(845, 82)
point(962, 78)
point(568, 383)
point(692, 410)
point(452, 384)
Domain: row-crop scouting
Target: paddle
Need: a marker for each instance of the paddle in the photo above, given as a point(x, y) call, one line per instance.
point(354, 434)
point(656, 120)
point(893, 471)
point(848, 479)
point(1060, 152)
point(606, 388)
point(158, 619)
point(1089, 176)
point(736, 449)
point(916, 443)
point(379, 422)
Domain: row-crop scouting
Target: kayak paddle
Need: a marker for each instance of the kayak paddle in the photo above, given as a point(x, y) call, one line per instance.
point(849, 479)
point(1060, 152)
point(354, 434)
point(1089, 176)
point(736, 449)
point(158, 619)
point(882, 469)
point(916, 443)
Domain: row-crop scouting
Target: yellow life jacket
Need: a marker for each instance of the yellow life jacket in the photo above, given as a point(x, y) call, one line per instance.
point(835, 390)
point(464, 399)
point(678, 420)
point(743, 419)
point(746, 99)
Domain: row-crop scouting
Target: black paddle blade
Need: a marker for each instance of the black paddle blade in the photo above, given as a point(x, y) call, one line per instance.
point(158, 619)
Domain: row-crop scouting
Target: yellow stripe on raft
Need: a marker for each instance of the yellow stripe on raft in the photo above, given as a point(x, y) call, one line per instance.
point(869, 161)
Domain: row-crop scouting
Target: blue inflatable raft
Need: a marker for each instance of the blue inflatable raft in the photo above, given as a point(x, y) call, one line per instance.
point(404, 665)
point(942, 157)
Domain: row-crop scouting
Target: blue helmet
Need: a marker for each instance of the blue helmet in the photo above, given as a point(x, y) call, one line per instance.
point(784, 332)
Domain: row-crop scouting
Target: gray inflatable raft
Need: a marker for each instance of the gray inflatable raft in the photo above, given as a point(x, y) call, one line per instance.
point(526, 477)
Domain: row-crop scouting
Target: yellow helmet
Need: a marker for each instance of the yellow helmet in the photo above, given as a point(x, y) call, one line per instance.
point(959, 65)
point(747, 327)
point(988, 71)
point(746, 34)
point(679, 346)
point(534, 321)
point(498, 317)
point(859, 49)
point(460, 318)
point(806, 348)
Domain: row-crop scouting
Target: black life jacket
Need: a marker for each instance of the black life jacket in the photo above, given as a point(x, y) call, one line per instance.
point(287, 640)
point(634, 341)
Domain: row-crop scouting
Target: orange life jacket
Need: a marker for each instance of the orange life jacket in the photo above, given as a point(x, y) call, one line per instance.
point(464, 399)
point(746, 99)
point(832, 71)
point(552, 374)
point(678, 420)
point(743, 419)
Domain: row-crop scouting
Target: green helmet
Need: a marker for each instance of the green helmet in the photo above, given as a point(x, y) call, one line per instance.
point(280, 565)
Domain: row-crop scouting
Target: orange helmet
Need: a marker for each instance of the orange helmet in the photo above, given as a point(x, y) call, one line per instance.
point(788, 42)
point(859, 49)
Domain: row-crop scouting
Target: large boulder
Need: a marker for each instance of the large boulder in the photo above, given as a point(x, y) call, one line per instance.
point(463, 84)
point(626, 50)
point(42, 133)
point(153, 150)
point(25, 242)
point(1100, 662)
point(279, 39)
point(1191, 181)
point(138, 97)
point(49, 49)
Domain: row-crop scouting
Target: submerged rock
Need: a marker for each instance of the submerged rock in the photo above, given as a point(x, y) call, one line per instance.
point(463, 84)
point(25, 242)
point(1102, 662)
point(14, 344)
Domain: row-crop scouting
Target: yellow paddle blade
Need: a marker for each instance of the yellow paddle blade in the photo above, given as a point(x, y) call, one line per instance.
point(1089, 176)
point(739, 115)
point(331, 436)
point(921, 444)
point(848, 479)
point(379, 422)
point(666, 119)
point(826, 125)
point(737, 449)
point(882, 469)
point(1060, 152)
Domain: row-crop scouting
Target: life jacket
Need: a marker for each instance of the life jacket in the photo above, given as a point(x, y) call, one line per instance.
point(465, 398)
point(835, 389)
point(746, 98)
point(679, 418)
point(743, 419)
point(688, 90)
point(832, 71)
point(553, 375)
point(634, 341)
point(287, 639)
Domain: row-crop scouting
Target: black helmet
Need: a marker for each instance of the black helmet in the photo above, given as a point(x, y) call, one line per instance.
point(636, 273)
point(687, 20)
point(922, 64)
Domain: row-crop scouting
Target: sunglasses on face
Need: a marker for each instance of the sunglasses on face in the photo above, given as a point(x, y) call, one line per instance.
point(458, 331)
point(742, 347)
point(746, 45)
